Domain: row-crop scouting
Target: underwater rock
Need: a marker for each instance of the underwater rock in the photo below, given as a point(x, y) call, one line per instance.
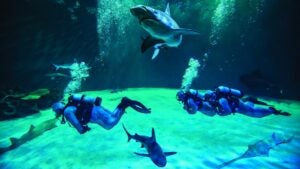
point(32, 133)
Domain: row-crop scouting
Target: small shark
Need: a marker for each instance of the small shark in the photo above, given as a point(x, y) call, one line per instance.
point(154, 150)
point(33, 132)
point(64, 66)
point(164, 31)
point(57, 75)
point(260, 148)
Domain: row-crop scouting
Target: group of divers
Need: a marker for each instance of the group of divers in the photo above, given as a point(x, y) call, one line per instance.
point(164, 32)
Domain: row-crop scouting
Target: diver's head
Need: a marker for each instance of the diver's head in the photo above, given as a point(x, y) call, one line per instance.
point(58, 108)
point(181, 96)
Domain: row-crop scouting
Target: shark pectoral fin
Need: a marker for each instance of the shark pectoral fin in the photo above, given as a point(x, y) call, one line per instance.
point(184, 31)
point(140, 154)
point(149, 42)
point(169, 153)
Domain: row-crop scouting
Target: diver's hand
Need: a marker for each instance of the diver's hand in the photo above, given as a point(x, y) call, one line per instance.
point(85, 129)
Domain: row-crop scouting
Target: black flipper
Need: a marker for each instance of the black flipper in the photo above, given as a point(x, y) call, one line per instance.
point(279, 112)
point(149, 42)
point(137, 106)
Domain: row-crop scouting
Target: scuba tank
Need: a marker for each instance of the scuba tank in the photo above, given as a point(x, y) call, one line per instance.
point(226, 91)
point(78, 99)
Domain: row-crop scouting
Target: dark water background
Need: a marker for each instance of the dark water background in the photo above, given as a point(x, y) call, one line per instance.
point(36, 33)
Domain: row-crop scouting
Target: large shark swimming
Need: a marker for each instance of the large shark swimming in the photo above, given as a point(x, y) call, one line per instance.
point(162, 28)
point(155, 152)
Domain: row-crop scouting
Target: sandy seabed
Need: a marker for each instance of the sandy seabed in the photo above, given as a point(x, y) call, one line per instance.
point(199, 140)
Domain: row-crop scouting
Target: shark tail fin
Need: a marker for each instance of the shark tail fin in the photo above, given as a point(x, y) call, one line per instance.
point(169, 153)
point(184, 31)
point(128, 134)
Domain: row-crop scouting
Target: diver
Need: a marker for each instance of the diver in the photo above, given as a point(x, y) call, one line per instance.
point(81, 109)
point(224, 101)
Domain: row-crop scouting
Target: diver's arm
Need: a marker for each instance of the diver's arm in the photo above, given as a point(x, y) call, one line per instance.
point(71, 117)
point(195, 93)
point(207, 109)
point(224, 106)
point(191, 107)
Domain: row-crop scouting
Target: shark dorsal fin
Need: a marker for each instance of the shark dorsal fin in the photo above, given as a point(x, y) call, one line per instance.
point(31, 128)
point(167, 11)
point(13, 140)
point(153, 135)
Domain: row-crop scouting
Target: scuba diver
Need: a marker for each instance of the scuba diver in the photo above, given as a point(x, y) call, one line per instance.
point(224, 101)
point(82, 109)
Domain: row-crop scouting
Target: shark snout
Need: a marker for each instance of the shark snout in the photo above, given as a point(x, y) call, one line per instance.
point(138, 10)
point(159, 159)
point(160, 162)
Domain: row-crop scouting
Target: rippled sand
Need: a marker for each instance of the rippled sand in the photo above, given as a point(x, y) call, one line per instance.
point(201, 141)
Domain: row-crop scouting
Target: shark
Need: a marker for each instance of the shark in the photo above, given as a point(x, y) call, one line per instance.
point(259, 148)
point(63, 66)
point(162, 28)
point(32, 133)
point(155, 152)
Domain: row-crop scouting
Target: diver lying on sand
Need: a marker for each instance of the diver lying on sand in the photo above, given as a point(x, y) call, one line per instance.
point(224, 101)
point(82, 109)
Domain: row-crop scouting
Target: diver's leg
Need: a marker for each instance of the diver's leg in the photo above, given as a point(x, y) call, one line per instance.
point(106, 118)
point(254, 100)
point(249, 109)
point(71, 117)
